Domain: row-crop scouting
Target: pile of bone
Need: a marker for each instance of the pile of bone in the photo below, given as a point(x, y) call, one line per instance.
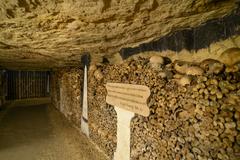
point(102, 117)
point(195, 112)
point(69, 84)
point(195, 108)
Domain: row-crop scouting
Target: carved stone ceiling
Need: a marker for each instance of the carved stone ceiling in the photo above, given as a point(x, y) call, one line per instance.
point(54, 33)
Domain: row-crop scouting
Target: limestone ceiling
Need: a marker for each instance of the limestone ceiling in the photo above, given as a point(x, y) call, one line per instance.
point(54, 33)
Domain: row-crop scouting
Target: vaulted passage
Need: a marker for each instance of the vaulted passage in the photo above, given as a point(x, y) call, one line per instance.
point(120, 80)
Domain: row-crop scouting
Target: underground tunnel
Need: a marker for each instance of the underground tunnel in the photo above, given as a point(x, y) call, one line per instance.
point(121, 80)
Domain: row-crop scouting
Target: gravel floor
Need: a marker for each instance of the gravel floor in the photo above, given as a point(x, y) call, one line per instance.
point(39, 132)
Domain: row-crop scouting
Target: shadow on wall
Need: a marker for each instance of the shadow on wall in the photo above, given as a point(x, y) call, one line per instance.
point(193, 38)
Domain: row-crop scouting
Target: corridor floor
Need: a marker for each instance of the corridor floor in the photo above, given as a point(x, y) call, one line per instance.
point(39, 132)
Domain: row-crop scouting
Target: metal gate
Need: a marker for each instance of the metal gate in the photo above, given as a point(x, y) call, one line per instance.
point(27, 84)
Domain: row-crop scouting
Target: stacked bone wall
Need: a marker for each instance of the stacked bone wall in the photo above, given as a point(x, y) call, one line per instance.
point(194, 103)
point(194, 116)
point(66, 93)
point(194, 108)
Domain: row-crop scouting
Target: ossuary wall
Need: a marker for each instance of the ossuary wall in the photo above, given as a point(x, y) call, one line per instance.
point(194, 101)
point(66, 93)
point(194, 107)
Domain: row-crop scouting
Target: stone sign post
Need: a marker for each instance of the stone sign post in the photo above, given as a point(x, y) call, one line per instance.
point(84, 119)
point(127, 99)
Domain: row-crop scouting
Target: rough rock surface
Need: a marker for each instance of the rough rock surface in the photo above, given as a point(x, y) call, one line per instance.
point(55, 32)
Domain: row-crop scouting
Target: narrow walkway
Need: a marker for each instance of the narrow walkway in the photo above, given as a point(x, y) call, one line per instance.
point(39, 132)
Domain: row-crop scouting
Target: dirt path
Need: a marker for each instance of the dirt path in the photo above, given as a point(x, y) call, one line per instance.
point(40, 132)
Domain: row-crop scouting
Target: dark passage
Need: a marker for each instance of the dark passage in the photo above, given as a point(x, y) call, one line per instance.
point(27, 84)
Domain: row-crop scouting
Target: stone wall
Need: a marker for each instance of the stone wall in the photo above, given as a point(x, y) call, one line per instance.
point(194, 38)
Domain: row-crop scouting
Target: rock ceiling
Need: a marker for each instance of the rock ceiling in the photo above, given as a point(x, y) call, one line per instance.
point(54, 33)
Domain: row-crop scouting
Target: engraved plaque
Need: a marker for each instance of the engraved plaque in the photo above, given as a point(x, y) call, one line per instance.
point(129, 97)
